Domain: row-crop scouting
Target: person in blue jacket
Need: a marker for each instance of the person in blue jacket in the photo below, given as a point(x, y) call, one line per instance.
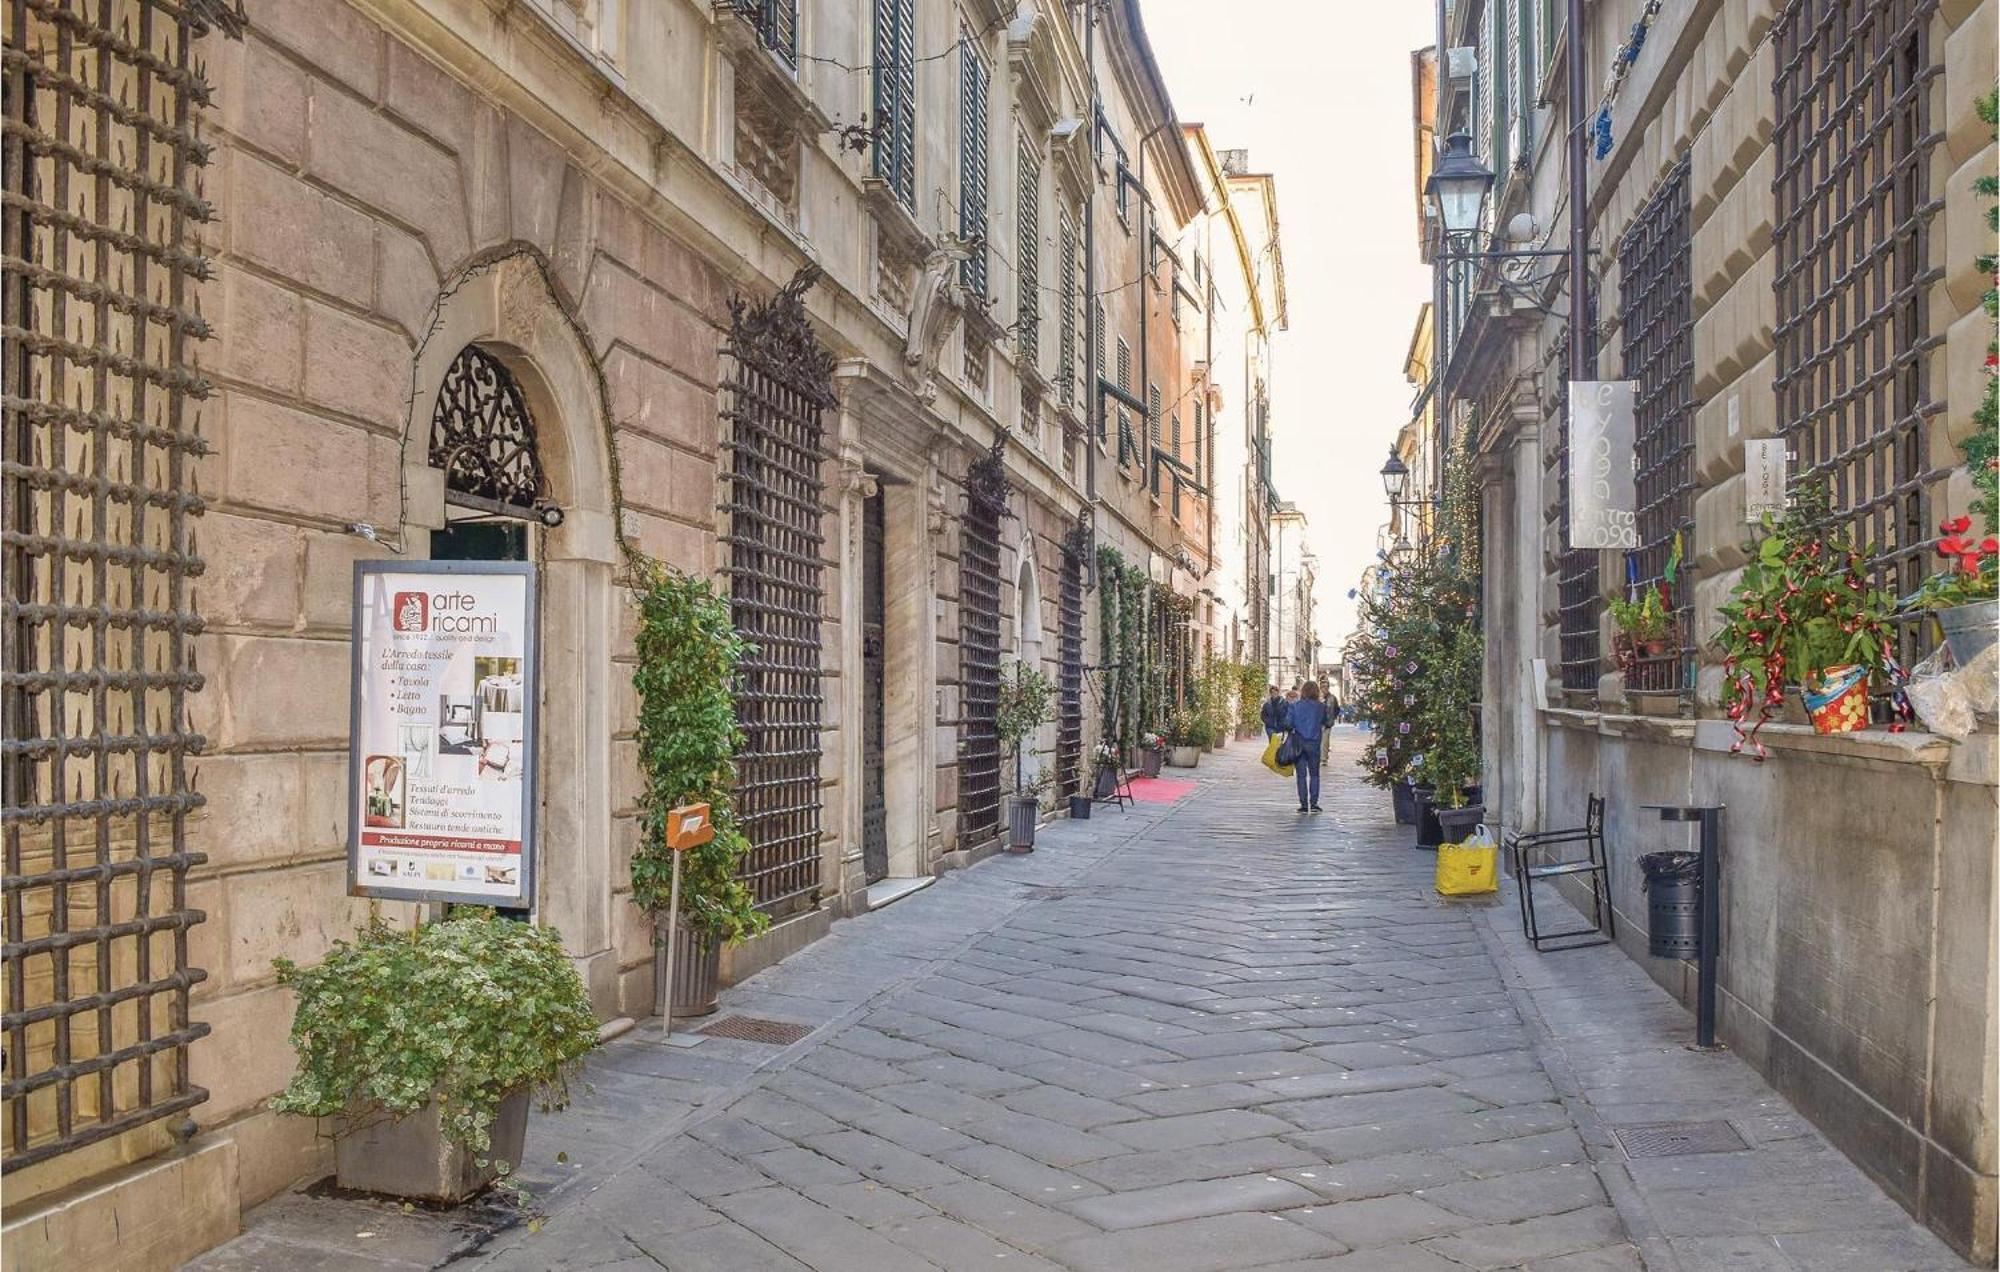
point(1307, 721)
point(1273, 713)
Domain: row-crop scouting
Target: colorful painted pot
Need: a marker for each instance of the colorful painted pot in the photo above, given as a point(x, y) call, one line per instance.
point(1838, 703)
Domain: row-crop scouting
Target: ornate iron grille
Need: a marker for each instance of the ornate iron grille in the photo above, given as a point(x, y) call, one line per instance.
point(986, 492)
point(1852, 242)
point(1657, 316)
point(100, 436)
point(1069, 663)
point(1578, 638)
point(779, 382)
point(483, 437)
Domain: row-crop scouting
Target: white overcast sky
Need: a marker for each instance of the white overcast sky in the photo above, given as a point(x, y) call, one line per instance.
point(1318, 91)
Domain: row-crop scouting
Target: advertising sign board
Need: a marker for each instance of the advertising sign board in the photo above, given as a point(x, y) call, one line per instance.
point(441, 761)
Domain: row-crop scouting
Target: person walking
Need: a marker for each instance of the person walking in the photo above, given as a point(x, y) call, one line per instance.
point(1306, 721)
point(1273, 713)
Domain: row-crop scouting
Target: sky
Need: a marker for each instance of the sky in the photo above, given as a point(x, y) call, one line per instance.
point(1318, 91)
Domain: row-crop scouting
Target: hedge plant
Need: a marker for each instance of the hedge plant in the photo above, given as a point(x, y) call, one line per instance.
point(465, 1011)
point(688, 656)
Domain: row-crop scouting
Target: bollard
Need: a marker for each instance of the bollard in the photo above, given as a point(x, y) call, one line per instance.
point(1709, 817)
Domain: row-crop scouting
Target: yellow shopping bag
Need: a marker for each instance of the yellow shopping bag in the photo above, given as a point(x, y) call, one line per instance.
point(1470, 868)
point(1271, 756)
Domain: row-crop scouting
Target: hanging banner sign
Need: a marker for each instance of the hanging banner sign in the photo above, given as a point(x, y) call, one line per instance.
point(441, 761)
point(1603, 490)
point(1763, 478)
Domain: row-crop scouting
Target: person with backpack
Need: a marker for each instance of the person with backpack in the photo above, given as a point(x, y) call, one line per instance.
point(1273, 713)
point(1306, 721)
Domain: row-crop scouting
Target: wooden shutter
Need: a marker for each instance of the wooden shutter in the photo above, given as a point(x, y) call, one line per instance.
point(778, 23)
point(972, 160)
point(1066, 356)
point(1028, 250)
point(895, 97)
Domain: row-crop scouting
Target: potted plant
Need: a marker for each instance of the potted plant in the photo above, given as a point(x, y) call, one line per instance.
point(1104, 780)
point(1644, 627)
point(427, 1044)
point(1181, 738)
point(1964, 597)
point(1152, 750)
point(1803, 614)
point(688, 653)
point(1026, 703)
point(1451, 751)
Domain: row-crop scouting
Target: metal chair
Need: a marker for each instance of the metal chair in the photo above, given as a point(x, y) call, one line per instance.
point(1591, 865)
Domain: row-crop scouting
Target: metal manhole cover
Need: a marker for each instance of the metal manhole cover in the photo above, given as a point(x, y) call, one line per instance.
point(779, 1033)
point(1047, 892)
point(1672, 1139)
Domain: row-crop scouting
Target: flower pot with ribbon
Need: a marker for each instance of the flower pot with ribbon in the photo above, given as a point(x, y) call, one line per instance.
point(1838, 700)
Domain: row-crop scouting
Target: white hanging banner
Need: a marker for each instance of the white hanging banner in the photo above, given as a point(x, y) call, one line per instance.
point(1603, 493)
point(1763, 478)
point(441, 761)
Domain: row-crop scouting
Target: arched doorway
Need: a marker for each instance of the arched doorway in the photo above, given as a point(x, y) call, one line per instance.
point(507, 457)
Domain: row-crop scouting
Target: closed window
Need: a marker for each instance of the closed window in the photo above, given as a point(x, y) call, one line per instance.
point(895, 97)
point(1028, 249)
point(972, 81)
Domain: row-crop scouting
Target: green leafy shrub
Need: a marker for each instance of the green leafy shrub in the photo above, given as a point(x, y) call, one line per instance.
point(688, 655)
point(465, 1011)
point(1026, 703)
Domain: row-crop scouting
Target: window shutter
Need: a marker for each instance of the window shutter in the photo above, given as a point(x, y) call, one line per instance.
point(778, 23)
point(972, 160)
point(895, 97)
point(1066, 355)
point(1028, 250)
point(1124, 416)
point(1153, 414)
point(1501, 79)
point(1529, 76)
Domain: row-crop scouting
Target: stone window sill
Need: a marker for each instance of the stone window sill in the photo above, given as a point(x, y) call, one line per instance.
point(1971, 759)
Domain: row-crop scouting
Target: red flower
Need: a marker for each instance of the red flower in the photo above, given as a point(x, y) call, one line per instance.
point(1957, 525)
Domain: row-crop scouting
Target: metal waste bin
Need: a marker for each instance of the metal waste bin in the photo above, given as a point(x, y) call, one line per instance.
point(1673, 903)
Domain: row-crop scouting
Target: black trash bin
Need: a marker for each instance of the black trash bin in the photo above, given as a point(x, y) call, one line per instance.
point(1405, 803)
point(1673, 903)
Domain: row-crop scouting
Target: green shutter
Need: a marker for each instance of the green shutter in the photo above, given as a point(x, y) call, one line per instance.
point(1066, 354)
point(972, 160)
point(1530, 76)
point(1028, 250)
point(1502, 80)
point(895, 97)
point(778, 23)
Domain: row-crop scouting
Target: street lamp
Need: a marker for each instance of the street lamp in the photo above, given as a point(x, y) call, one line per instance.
point(1395, 474)
point(1459, 185)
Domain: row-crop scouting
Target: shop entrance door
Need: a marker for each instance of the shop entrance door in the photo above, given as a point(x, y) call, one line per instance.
point(874, 607)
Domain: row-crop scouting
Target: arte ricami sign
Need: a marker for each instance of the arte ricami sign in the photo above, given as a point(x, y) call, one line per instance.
point(1603, 490)
point(441, 762)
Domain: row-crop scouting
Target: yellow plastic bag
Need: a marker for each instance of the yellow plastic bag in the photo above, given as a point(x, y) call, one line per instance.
point(1470, 868)
point(1271, 756)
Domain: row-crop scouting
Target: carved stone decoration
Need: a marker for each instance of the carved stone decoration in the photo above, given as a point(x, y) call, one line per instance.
point(855, 478)
point(936, 308)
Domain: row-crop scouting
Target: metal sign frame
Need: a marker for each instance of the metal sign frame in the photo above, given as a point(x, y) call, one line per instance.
point(531, 677)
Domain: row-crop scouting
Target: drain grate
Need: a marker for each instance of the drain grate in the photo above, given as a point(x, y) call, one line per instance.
point(1048, 892)
point(1673, 1139)
point(778, 1033)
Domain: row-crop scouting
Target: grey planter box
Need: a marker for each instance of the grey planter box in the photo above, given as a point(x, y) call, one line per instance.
point(1185, 756)
point(1022, 814)
point(410, 1157)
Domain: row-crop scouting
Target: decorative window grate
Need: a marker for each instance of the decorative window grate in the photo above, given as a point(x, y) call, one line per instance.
point(102, 104)
point(1657, 315)
point(483, 437)
point(972, 79)
point(1579, 607)
point(986, 493)
point(778, 385)
point(1855, 200)
point(1069, 665)
point(895, 97)
point(1028, 251)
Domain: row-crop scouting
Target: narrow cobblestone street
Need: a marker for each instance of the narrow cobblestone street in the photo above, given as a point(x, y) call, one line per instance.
point(1211, 1035)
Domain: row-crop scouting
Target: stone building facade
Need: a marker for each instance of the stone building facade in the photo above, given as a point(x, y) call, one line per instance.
point(1783, 236)
point(584, 202)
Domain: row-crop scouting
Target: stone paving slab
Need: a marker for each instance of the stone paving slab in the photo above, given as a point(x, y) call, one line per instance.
point(1184, 1038)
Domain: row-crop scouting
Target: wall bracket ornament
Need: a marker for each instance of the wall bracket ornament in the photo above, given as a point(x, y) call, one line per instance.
point(939, 303)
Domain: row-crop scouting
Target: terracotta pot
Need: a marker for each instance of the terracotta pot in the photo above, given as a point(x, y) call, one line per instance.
point(1838, 701)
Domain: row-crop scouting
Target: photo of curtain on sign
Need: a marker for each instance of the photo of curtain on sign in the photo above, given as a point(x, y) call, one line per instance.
point(442, 754)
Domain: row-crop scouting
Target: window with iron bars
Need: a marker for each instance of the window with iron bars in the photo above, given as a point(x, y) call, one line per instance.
point(100, 439)
point(972, 79)
point(1657, 317)
point(1851, 240)
point(895, 97)
point(778, 386)
point(1069, 664)
point(986, 493)
point(1028, 250)
point(1579, 609)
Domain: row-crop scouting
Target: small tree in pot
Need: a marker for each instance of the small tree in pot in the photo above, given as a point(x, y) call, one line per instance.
point(688, 655)
point(1026, 703)
point(428, 1044)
